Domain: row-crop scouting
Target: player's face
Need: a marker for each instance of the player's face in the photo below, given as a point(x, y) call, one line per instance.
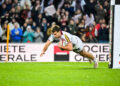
point(57, 34)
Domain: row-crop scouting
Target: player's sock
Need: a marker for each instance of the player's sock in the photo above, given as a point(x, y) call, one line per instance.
point(95, 63)
point(95, 60)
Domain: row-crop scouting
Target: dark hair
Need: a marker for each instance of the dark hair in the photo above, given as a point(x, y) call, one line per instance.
point(56, 28)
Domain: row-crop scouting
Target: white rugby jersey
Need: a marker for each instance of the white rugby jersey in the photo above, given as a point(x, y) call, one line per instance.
point(67, 37)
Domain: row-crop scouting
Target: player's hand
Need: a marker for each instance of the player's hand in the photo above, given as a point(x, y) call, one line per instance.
point(42, 54)
point(60, 46)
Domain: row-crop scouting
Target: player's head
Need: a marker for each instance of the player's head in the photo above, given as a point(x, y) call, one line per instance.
point(56, 31)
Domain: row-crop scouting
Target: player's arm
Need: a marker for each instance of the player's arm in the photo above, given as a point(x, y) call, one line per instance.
point(68, 47)
point(45, 47)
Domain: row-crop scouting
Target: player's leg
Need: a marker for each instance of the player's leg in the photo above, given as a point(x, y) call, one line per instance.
point(79, 49)
point(86, 54)
point(89, 56)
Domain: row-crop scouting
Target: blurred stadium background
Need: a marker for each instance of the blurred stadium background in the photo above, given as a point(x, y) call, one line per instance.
point(28, 24)
point(88, 19)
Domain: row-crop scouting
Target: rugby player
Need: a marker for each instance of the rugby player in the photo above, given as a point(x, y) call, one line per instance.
point(73, 43)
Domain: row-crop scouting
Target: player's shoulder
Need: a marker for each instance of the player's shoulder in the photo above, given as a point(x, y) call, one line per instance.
point(67, 36)
point(66, 33)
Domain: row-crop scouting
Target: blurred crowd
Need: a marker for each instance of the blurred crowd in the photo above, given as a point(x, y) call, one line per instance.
point(29, 21)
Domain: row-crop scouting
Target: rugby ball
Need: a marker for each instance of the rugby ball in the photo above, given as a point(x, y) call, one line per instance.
point(63, 42)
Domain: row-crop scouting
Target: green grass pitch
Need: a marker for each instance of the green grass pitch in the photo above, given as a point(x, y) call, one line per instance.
point(58, 74)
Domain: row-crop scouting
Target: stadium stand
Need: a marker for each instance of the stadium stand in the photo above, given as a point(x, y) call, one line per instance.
point(88, 19)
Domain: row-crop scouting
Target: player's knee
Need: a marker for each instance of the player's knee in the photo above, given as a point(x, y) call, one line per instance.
point(84, 55)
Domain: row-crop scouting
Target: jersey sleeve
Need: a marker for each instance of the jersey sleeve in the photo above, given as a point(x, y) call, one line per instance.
point(68, 37)
point(51, 38)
